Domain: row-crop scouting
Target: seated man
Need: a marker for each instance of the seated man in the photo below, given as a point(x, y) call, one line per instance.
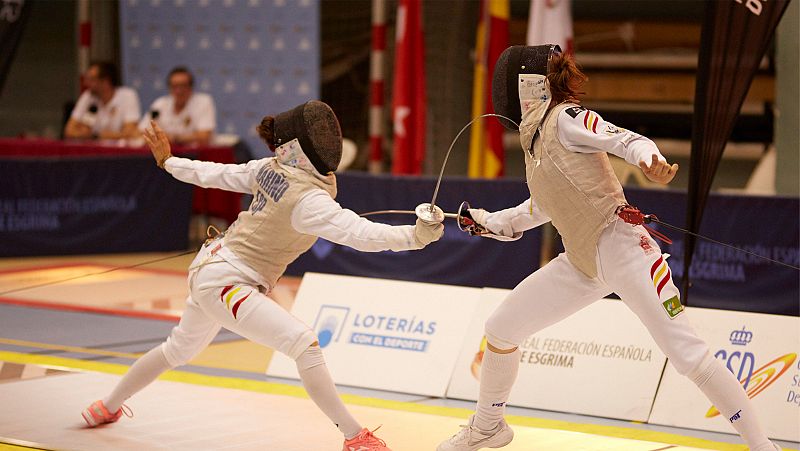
point(105, 110)
point(187, 117)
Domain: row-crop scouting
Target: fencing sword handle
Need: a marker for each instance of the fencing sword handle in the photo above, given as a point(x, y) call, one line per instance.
point(466, 223)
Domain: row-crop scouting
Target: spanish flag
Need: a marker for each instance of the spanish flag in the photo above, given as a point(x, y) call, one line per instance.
point(486, 154)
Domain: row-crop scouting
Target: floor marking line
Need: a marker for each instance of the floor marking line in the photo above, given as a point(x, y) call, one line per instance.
point(455, 412)
point(76, 264)
point(65, 348)
point(15, 444)
point(143, 314)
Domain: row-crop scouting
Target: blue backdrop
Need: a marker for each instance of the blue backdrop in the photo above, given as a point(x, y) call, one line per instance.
point(255, 57)
point(723, 277)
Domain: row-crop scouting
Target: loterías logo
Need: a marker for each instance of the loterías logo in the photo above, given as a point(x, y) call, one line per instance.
point(371, 329)
point(329, 323)
point(742, 364)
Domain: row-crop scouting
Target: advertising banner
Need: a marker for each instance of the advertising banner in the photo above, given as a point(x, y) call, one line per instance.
point(723, 278)
point(600, 361)
point(383, 334)
point(761, 351)
point(53, 206)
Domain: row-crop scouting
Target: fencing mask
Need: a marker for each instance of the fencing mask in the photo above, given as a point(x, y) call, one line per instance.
point(511, 87)
point(316, 128)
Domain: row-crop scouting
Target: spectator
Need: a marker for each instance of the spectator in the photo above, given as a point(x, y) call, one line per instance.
point(105, 110)
point(186, 117)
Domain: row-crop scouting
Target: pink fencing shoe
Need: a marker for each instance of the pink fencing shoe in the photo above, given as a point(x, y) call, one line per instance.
point(365, 441)
point(97, 414)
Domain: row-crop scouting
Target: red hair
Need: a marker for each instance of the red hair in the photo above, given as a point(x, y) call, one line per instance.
point(565, 79)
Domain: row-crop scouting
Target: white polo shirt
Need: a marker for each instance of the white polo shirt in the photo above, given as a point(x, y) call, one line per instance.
point(121, 109)
point(199, 114)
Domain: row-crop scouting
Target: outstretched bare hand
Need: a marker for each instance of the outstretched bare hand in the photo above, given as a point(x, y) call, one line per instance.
point(158, 142)
point(659, 171)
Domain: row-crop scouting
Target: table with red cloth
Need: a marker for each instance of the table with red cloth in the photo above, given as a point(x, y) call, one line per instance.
point(205, 201)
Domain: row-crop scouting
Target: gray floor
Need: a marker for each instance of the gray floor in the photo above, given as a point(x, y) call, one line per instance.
point(135, 335)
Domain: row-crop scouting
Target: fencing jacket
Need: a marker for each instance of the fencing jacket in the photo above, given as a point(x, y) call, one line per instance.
point(291, 207)
point(571, 180)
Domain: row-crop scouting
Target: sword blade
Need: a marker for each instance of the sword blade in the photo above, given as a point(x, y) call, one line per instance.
point(401, 212)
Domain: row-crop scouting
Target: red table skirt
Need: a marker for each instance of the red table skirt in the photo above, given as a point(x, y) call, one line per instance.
point(211, 202)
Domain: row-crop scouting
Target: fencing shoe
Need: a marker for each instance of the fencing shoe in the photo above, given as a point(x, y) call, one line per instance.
point(365, 441)
point(97, 414)
point(469, 438)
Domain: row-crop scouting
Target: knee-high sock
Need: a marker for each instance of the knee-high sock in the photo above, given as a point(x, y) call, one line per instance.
point(498, 373)
point(319, 385)
point(143, 371)
point(726, 393)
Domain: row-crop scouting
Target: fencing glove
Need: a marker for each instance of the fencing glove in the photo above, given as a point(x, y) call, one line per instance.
point(499, 227)
point(426, 234)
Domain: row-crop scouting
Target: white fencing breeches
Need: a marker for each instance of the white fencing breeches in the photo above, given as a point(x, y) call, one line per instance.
point(222, 296)
point(630, 264)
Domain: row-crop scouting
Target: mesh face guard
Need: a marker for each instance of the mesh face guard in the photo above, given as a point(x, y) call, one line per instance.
point(315, 126)
point(515, 60)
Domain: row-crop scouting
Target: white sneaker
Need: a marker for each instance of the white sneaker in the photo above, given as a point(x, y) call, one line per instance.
point(470, 438)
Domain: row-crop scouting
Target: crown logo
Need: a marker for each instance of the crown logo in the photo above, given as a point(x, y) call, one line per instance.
point(741, 337)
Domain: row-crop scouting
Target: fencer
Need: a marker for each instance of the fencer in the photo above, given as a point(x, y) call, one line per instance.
point(232, 275)
point(572, 185)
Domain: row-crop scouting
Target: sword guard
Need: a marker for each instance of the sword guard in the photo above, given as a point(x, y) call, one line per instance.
point(429, 214)
point(466, 223)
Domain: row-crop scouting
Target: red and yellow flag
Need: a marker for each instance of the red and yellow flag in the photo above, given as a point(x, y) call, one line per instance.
point(486, 154)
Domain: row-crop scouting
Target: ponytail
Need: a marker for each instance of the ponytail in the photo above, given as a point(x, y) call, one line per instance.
point(565, 79)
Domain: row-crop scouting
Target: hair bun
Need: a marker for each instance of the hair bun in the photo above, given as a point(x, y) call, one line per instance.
point(266, 130)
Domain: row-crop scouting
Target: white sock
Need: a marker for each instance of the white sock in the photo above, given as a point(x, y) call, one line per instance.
point(319, 385)
point(728, 396)
point(498, 373)
point(143, 371)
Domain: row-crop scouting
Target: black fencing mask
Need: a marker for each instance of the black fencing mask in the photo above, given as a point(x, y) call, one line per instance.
point(516, 60)
point(315, 126)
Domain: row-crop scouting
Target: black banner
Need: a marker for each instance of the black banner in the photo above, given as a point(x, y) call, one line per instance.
point(67, 206)
point(13, 17)
point(734, 38)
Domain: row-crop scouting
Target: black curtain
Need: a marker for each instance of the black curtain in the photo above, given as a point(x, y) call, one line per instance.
point(13, 17)
point(734, 38)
